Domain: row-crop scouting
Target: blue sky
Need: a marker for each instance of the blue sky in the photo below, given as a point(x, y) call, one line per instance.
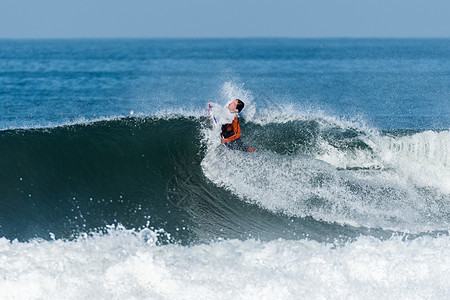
point(231, 18)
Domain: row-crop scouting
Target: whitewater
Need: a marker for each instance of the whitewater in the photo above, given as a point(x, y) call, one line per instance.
point(113, 183)
point(128, 264)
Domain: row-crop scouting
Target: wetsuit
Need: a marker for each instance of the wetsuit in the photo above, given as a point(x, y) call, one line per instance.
point(231, 134)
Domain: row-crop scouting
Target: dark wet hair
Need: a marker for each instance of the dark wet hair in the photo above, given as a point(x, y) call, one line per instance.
point(240, 105)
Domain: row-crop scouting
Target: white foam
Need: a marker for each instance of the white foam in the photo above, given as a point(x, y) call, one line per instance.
point(423, 157)
point(398, 183)
point(302, 186)
point(125, 265)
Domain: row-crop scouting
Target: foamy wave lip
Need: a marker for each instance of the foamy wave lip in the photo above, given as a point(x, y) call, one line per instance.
point(49, 125)
point(422, 157)
point(124, 265)
point(173, 113)
point(289, 113)
point(161, 114)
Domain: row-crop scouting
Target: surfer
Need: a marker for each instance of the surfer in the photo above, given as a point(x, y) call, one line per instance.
point(231, 132)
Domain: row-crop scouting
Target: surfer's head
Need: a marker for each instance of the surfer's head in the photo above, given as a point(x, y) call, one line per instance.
point(236, 106)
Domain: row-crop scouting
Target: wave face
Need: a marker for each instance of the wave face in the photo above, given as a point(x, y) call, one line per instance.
point(308, 176)
point(80, 177)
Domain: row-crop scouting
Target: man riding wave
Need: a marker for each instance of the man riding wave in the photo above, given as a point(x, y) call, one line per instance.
point(231, 131)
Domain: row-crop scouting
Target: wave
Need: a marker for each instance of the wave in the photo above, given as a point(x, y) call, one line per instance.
point(129, 264)
point(83, 176)
point(307, 174)
point(336, 172)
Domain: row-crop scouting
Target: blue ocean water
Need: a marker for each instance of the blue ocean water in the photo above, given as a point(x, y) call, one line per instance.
point(113, 184)
point(392, 83)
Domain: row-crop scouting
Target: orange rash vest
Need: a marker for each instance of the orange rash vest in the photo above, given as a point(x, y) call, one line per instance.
point(234, 126)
